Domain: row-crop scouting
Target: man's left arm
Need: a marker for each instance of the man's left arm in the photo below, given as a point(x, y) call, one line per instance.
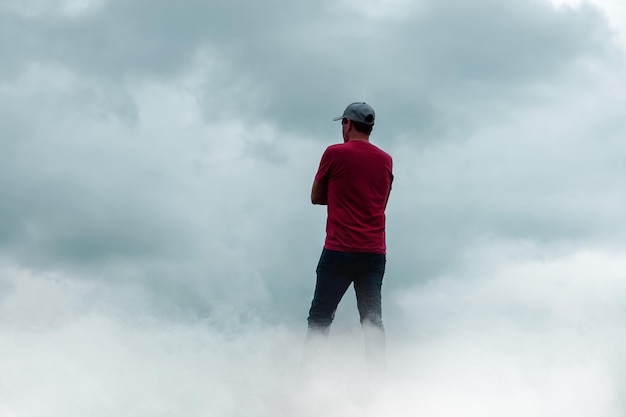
point(389, 192)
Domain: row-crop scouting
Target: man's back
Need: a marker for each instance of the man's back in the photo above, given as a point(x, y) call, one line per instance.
point(358, 176)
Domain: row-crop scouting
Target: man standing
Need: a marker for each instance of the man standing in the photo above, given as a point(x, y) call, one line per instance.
point(354, 180)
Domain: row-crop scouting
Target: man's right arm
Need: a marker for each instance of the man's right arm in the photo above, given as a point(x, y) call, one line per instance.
point(319, 193)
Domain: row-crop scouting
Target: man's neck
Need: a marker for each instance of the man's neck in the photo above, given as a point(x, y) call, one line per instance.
point(359, 138)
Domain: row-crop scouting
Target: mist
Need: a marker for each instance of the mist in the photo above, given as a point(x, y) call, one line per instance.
point(523, 337)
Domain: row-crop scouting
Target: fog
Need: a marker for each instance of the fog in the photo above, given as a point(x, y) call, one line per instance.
point(538, 337)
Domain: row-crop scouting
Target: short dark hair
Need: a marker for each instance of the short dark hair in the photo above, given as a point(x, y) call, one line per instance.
point(362, 127)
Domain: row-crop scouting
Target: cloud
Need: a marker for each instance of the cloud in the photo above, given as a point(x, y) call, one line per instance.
point(525, 337)
point(158, 247)
point(297, 63)
point(150, 172)
point(154, 197)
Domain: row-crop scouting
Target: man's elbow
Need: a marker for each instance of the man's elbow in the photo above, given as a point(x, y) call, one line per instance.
point(319, 198)
point(319, 201)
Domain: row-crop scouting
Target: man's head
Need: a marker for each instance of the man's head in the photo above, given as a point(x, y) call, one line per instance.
point(359, 116)
point(359, 112)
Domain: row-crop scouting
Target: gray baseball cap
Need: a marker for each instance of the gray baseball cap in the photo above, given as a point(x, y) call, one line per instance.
point(358, 112)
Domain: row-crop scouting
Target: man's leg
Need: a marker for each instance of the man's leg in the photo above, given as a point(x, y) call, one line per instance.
point(332, 283)
point(368, 286)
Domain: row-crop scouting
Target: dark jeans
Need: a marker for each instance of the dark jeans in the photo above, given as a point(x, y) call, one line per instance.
point(335, 272)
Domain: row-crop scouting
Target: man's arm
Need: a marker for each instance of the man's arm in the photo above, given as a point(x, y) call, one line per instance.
point(389, 192)
point(387, 199)
point(319, 193)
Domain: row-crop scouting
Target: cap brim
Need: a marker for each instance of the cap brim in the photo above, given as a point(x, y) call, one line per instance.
point(338, 118)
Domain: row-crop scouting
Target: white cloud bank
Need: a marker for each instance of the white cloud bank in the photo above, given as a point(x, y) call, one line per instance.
point(524, 337)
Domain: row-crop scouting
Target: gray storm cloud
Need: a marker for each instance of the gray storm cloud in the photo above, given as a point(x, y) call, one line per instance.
point(308, 58)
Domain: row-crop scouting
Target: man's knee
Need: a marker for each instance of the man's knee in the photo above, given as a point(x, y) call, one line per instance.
point(320, 320)
point(372, 320)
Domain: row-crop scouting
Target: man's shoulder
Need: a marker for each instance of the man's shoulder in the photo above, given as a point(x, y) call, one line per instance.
point(382, 151)
point(334, 150)
point(335, 147)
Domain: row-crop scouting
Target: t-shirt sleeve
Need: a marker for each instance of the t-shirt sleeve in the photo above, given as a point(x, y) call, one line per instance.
point(323, 172)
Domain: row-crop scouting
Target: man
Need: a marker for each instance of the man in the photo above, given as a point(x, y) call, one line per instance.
point(354, 180)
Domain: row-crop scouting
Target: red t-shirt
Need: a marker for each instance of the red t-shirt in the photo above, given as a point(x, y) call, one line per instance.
point(358, 176)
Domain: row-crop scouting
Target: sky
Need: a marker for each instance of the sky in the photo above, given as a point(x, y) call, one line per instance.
point(158, 245)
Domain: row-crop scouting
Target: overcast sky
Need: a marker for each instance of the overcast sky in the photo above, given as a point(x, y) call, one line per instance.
point(157, 241)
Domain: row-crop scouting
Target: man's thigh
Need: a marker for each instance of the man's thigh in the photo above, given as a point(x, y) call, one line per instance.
point(333, 279)
point(368, 281)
